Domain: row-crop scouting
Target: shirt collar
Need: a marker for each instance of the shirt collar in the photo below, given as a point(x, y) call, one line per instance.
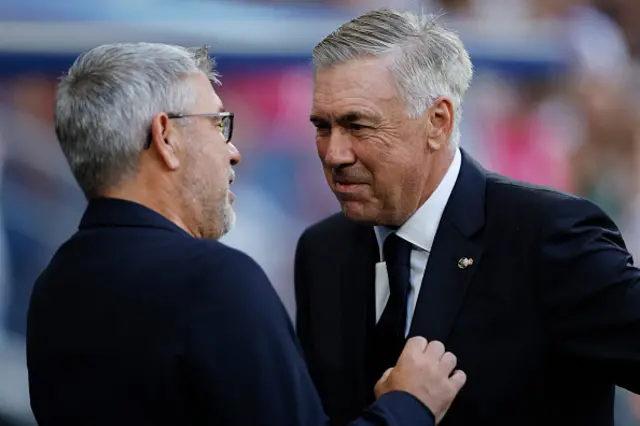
point(420, 229)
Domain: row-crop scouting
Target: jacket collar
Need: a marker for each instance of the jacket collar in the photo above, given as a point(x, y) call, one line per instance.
point(115, 212)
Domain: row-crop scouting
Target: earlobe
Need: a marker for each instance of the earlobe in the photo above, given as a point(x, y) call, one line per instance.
point(434, 143)
point(433, 131)
point(440, 123)
point(169, 155)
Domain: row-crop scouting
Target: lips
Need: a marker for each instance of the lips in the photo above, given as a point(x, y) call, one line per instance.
point(347, 182)
point(348, 188)
point(343, 181)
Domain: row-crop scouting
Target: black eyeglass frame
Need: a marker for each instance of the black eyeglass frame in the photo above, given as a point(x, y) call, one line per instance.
point(223, 114)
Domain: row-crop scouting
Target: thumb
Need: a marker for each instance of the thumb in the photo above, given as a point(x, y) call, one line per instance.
point(385, 375)
point(379, 388)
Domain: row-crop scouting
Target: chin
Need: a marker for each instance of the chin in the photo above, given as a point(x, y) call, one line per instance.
point(369, 214)
point(358, 212)
point(229, 218)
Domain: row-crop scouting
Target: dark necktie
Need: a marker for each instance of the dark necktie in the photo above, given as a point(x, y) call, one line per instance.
point(389, 338)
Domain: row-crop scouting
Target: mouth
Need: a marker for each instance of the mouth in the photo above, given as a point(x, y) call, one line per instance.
point(230, 194)
point(346, 189)
point(347, 184)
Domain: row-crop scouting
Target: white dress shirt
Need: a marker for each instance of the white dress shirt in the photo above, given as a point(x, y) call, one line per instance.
point(420, 230)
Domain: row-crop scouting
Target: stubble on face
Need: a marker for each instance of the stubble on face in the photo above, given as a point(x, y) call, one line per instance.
point(208, 170)
point(384, 147)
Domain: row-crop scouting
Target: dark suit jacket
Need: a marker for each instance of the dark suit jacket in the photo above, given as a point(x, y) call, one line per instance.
point(544, 322)
point(136, 322)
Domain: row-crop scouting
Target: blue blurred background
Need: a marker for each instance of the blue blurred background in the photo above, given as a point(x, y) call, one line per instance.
point(555, 101)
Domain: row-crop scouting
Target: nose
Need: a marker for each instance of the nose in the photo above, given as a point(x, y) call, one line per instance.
point(338, 151)
point(235, 154)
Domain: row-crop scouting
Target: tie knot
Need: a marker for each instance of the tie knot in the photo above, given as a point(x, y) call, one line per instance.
point(396, 250)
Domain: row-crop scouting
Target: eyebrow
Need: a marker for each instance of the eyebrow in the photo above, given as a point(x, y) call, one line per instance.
point(316, 119)
point(348, 117)
point(353, 116)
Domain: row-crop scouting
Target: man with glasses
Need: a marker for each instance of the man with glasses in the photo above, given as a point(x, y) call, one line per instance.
point(143, 317)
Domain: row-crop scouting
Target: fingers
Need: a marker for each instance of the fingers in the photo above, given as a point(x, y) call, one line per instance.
point(458, 380)
point(434, 350)
point(427, 371)
point(448, 362)
point(417, 343)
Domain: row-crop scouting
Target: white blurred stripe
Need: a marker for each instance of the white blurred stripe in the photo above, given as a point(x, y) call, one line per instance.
point(518, 41)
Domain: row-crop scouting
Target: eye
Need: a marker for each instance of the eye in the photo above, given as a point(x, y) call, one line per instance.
point(357, 128)
point(322, 128)
point(220, 124)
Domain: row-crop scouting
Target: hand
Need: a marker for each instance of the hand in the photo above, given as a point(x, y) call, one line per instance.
point(635, 405)
point(423, 370)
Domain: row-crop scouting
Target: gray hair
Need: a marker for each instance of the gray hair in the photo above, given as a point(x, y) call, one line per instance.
point(106, 102)
point(426, 59)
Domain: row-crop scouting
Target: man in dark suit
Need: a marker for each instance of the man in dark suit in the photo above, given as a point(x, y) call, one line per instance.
point(532, 289)
point(142, 317)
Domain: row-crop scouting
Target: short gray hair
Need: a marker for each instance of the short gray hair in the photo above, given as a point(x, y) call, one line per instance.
point(426, 59)
point(106, 102)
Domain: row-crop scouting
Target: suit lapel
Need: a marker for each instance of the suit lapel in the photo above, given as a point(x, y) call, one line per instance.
point(459, 236)
point(357, 284)
point(444, 285)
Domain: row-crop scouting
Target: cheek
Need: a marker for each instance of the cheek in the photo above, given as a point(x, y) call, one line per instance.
point(375, 157)
point(328, 176)
point(322, 144)
point(391, 168)
point(214, 167)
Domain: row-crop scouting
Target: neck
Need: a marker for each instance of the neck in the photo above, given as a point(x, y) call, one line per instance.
point(156, 199)
point(441, 164)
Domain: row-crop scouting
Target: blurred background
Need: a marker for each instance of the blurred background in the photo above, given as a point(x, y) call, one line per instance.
point(555, 101)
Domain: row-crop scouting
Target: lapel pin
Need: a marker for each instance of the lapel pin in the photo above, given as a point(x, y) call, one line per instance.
point(464, 263)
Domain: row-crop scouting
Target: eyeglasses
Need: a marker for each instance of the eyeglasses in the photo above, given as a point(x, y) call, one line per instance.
point(226, 121)
point(225, 125)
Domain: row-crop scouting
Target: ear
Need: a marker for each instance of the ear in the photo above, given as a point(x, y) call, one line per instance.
point(164, 137)
point(440, 123)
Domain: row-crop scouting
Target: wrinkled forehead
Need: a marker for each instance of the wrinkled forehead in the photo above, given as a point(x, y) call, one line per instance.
point(362, 84)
